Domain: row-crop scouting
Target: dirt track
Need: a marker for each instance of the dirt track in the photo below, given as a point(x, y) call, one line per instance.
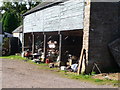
point(19, 74)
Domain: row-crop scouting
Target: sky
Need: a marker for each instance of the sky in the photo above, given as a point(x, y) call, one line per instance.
point(0, 3)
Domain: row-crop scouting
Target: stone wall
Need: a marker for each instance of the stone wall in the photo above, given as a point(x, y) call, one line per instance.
point(86, 31)
point(102, 31)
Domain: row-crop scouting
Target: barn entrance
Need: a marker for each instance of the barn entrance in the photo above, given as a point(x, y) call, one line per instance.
point(52, 46)
point(57, 46)
point(38, 42)
point(62, 46)
point(71, 46)
point(28, 41)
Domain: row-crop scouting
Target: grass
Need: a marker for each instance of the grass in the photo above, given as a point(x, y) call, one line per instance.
point(88, 78)
point(13, 57)
point(71, 75)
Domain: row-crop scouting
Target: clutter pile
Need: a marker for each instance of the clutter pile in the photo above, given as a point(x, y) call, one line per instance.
point(71, 64)
point(52, 58)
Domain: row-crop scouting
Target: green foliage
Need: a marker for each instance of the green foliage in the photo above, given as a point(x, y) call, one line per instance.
point(93, 73)
point(10, 22)
point(12, 18)
point(7, 6)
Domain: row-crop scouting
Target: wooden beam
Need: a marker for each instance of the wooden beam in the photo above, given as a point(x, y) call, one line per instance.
point(33, 43)
point(73, 33)
point(51, 33)
point(45, 46)
point(80, 62)
point(60, 46)
point(23, 35)
point(23, 39)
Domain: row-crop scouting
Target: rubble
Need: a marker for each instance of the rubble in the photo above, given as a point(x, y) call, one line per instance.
point(106, 76)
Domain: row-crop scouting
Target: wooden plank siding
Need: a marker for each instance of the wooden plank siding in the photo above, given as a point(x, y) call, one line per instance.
point(64, 16)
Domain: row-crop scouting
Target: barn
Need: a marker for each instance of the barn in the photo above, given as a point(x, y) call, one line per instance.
point(80, 28)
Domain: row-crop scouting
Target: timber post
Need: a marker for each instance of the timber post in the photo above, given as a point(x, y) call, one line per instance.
point(80, 62)
point(23, 35)
point(45, 46)
point(60, 47)
point(23, 44)
point(33, 43)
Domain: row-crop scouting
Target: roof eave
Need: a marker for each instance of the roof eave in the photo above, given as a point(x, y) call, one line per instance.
point(43, 7)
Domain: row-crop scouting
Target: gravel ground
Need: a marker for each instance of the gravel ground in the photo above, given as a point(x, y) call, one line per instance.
point(19, 74)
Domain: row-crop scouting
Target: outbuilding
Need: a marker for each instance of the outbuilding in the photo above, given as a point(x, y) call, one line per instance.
point(18, 33)
point(84, 28)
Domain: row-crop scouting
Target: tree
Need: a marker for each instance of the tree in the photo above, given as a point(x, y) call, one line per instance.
point(12, 18)
point(10, 22)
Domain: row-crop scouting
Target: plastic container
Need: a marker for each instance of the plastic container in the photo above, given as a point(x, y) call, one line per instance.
point(63, 68)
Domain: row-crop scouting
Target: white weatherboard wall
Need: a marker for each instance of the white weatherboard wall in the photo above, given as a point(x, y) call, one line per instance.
point(19, 35)
point(65, 16)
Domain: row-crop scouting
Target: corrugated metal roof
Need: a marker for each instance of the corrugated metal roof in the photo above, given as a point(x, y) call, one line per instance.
point(18, 30)
point(44, 5)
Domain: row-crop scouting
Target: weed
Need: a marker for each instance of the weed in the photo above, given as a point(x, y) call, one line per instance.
point(93, 73)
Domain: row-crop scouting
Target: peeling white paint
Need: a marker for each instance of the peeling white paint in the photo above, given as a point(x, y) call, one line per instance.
point(66, 16)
